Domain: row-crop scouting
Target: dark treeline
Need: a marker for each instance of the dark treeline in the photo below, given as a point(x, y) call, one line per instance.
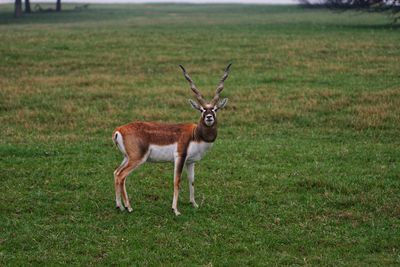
point(18, 7)
point(392, 7)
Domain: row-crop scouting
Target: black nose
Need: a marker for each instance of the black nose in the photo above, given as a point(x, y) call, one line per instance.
point(209, 117)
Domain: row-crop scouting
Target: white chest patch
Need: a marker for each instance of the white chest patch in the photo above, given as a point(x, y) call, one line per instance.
point(162, 153)
point(197, 150)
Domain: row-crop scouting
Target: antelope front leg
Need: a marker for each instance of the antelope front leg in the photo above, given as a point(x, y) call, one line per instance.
point(179, 161)
point(190, 173)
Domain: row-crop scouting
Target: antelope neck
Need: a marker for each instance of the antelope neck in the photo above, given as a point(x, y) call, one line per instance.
point(205, 133)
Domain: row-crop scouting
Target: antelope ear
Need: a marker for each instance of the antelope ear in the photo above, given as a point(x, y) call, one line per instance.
point(195, 105)
point(221, 104)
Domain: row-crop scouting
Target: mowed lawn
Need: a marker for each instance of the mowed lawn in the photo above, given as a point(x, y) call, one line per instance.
point(305, 170)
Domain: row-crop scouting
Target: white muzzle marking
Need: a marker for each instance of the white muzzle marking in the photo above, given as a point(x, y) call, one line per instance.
point(209, 120)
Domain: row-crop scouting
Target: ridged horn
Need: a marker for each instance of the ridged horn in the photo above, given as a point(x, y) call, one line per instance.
point(199, 97)
point(220, 86)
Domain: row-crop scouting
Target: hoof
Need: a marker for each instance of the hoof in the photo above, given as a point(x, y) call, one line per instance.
point(130, 209)
point(177, 213)
point(194, 204)
point(121, 208)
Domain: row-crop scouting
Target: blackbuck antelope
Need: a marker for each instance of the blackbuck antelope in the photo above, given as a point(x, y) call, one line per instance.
point(183, 144)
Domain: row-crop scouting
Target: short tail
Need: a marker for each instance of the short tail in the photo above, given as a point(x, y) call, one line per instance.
point(119, 141)
point(114, 137)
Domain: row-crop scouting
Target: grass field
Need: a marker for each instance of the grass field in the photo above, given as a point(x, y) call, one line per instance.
point(305, 170)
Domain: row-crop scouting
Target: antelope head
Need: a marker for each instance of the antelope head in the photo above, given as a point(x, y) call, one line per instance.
point(208, 109)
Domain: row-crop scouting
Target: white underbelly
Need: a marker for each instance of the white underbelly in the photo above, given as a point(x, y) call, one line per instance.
point(168, 153)
point(162, 153)
point(197, 150)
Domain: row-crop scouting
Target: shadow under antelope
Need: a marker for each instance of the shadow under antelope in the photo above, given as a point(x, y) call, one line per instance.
point(184, 144)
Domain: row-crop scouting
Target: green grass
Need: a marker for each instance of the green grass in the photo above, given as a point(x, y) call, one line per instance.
point(305, 170)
